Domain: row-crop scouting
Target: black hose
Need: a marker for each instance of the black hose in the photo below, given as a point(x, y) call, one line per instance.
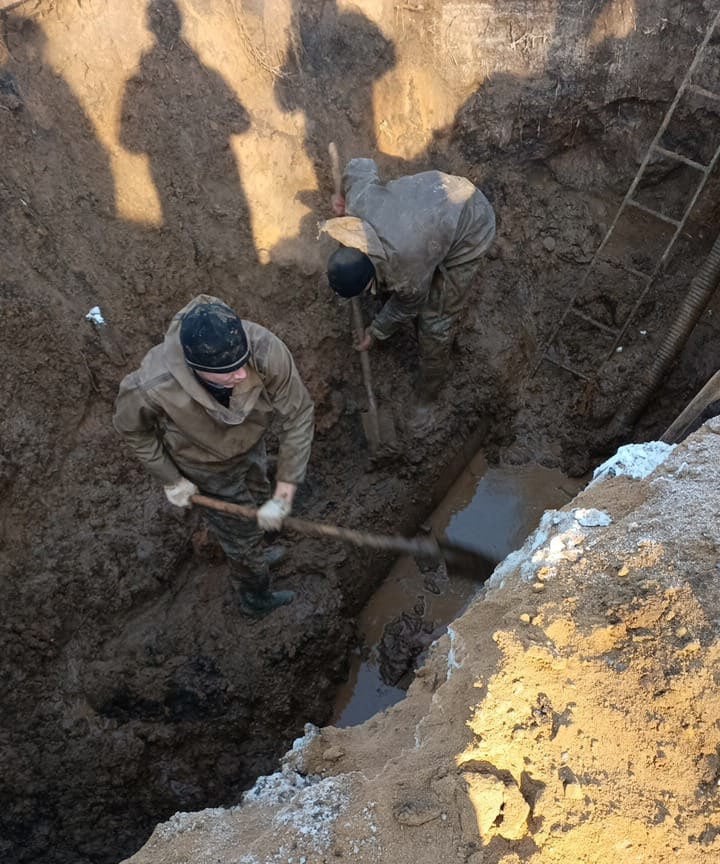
point(701, 291)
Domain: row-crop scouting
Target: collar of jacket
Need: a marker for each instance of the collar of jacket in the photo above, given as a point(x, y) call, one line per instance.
point(356, 233)
point(250, 388)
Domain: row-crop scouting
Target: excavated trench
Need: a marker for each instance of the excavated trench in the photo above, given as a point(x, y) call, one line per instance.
point(154, 151)
point(491, 510)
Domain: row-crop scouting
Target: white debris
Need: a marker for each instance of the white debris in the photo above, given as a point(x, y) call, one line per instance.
point(294, 759)
point(560, 536)
point(95, 315)
point(592, 518)
point(452, 661)
point(634, 460)
point(308, 804)
point(276, 788)
point(315, 808)
point(181, 823)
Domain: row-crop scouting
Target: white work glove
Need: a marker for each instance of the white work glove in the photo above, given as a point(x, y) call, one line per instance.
point(180, 493)
point(270, 516)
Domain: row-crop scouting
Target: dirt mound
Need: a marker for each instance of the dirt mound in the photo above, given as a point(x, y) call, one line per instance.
point(569, 715)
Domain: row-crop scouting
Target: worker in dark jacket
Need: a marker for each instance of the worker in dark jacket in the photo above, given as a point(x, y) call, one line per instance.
point(420, 238)
point(196, 414)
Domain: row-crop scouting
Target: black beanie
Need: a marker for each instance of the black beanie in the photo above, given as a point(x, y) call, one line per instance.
point(213, 339)
point(349, 271)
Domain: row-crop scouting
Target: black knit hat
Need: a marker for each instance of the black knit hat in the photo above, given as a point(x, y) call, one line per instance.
point(213, 339)
point(349, 271)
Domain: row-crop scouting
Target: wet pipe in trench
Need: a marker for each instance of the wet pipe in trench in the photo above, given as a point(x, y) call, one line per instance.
point(491, 509)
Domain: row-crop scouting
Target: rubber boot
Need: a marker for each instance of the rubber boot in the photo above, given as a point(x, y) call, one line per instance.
point(422, 417)
point(421, 420)
point(255, 599)
point(258, 604)
point(275, 554)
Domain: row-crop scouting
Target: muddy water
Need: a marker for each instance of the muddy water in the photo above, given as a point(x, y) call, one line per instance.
point(491, 509)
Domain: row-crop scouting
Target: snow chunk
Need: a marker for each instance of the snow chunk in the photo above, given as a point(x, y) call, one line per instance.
point(309, 804)
point(181, 823)
point(452, 659)
point(315, 808)
point(592, 518)
point(634, 460)
point(294, 759)
point(560, 536)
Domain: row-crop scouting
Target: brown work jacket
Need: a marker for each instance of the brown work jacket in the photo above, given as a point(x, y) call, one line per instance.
point(169, 419)
point(409, 228)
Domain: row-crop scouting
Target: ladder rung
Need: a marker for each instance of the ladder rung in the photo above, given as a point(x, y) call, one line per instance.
point(611, 330)
point(638, 206)
point(647, 277)
point(701, 91)
point(671, 154)
point(567, 368)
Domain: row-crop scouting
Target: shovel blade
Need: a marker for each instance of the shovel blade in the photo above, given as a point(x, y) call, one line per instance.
point(379, 430)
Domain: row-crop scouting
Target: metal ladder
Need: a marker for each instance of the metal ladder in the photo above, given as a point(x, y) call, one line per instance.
point(616, 333)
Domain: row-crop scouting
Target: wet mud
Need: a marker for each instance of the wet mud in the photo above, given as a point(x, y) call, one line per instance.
point(489, 509)
point(151, 151)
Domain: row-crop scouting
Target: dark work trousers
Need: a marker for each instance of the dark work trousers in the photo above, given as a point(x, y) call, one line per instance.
point(437, 324)
point(242, 482)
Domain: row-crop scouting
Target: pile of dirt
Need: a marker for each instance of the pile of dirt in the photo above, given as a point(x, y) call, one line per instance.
point(571, 714)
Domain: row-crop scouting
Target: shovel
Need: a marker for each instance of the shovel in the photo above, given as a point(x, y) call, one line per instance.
point(378, 424)
point(469, 561)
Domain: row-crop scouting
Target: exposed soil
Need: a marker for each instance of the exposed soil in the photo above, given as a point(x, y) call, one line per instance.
point(136, 175)
point(571, 714)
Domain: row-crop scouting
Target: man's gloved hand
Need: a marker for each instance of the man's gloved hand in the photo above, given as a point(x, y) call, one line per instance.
point(270, 516)
point(180, 493)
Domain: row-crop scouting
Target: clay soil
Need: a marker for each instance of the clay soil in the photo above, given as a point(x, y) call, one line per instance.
point(132, 687)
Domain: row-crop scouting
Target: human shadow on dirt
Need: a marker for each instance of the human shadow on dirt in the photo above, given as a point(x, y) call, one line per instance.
point(332, 62)
point(182, 115)
point(53, 169)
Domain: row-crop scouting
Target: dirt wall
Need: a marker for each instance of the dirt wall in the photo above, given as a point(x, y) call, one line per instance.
point(153, 151)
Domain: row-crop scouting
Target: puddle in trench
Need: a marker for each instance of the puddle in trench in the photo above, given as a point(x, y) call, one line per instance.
point(492, 510)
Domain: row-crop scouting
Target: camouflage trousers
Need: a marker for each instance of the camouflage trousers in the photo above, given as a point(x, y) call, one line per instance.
point(242, 482)
point(437, 324)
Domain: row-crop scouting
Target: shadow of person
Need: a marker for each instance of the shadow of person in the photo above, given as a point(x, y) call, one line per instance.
point(334, 58)
point(54, 169)
point(182, 115)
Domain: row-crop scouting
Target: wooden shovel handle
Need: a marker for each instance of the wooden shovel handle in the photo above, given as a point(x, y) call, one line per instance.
point(427, 547)
point(708, 394)
point(335, 167)
point(359, 328)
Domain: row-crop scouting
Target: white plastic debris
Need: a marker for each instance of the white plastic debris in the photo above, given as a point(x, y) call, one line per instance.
point(95, 315)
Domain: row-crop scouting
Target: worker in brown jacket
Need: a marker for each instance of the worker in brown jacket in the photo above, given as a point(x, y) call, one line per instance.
point(196, 414)
point(421, 239)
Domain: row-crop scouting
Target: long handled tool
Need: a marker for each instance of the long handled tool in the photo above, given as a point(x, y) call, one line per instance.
point(377, 424)
point(470, 561)
point(370, 419)
point(710, 393)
